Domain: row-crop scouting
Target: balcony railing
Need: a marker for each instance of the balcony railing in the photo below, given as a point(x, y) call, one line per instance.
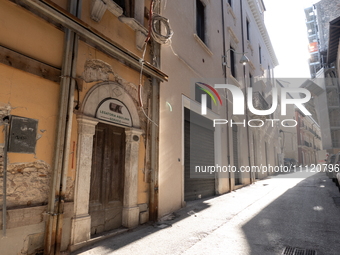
point(333, 102)
point(307, 144)
point(334, 123)
point(336, 144)
point(259, 102)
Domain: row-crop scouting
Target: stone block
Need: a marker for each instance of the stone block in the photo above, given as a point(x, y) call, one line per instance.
point(131, 217)
point(143, 217)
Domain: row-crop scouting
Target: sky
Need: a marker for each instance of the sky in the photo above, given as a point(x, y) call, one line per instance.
point(285, 22)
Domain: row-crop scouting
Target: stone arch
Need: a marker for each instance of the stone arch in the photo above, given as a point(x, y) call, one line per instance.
point(106, 90)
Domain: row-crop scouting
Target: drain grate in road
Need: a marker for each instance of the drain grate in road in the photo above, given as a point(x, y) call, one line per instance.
point(336, 201)
point(298, 251)
point(310, 252)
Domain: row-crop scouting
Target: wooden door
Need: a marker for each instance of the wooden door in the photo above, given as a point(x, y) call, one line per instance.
point(107, 178)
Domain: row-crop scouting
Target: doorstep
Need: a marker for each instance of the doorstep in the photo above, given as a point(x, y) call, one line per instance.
point(98, 238)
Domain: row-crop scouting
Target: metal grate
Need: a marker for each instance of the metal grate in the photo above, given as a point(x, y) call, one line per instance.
point(298, 251)
point(310, 252)
point(288, 251)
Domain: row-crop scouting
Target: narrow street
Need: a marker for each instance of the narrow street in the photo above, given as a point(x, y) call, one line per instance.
point(262, 218)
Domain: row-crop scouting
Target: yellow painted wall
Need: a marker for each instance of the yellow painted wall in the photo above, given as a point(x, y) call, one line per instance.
point(87, 52)
point(30, 35)
point(32, 97)
point(112, 28)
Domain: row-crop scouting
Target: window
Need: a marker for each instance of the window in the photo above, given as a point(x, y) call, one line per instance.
point(232, 62)
point(200, 20)
point(127, 6)
point(269, 74)
point(260, 55)
point(198, 96)
point(248, 30)
point(251, 81)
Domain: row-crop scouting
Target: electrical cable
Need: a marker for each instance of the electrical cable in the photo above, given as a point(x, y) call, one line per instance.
point(154, 20)
point(142, 66)
point(158, 37)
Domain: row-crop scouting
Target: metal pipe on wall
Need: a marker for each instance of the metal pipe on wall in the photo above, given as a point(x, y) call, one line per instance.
point(224, 67)
point(56, 200)
point(246, 95)
point(53, 203)
point(154, 187)
point(75, 9)
point(4, 207)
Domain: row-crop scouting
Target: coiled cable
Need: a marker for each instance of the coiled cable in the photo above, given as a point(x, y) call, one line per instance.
point(157, 36)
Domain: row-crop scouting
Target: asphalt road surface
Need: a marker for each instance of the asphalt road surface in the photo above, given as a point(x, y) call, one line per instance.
point(260, 219)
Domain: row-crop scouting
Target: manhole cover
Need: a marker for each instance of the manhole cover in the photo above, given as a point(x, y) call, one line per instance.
point(336, 201)
point(298, 251)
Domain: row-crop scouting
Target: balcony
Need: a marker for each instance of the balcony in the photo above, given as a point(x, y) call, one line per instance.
point(306, 145)
point(306, 130)
point(334, 102)
point(334, 124)
point(336, 144)
point(259, 103)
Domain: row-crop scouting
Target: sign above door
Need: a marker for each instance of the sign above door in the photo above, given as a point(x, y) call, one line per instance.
point(113, 110)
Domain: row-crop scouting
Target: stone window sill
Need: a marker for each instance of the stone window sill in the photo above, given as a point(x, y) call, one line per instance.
point(234, 81)
point(231, 12)
point(204, 46)
point(250, 47)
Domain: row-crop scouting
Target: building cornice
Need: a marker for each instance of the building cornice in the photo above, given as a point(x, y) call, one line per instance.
point(263, 31)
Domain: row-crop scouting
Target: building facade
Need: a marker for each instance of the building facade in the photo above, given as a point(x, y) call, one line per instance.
point(309, 139)
point(325, 83)
point(114, 115)
point(203, 32)
point(74, 69)
point(288, 133)
point(318, 18)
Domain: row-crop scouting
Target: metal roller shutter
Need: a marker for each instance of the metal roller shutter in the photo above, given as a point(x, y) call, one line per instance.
point(199, 151)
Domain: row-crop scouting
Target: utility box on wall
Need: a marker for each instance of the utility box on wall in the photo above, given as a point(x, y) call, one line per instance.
point(22, 135)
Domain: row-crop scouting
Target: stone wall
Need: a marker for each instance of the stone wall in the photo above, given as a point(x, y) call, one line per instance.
point(28, 184)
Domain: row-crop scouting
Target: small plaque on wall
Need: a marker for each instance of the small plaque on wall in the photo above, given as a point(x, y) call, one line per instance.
point(114, 111)
point(22, 135)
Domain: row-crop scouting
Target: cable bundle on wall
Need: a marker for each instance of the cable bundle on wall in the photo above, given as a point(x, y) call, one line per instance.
point(157, 36)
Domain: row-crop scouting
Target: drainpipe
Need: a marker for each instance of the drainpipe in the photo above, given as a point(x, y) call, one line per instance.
point(52, 209)
point(154, 185)
point(224, 67)
point(75, 8)
point(58, 181)
point(4, 177)
point(245, 88)
point(154, 152)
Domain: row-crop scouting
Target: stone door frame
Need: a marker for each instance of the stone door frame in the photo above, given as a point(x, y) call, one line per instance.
point(81, 221)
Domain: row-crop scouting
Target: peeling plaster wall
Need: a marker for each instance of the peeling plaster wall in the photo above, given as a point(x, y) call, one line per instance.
point(27, 184)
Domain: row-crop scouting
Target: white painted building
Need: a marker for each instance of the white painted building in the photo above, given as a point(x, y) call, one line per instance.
point(204, 31)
